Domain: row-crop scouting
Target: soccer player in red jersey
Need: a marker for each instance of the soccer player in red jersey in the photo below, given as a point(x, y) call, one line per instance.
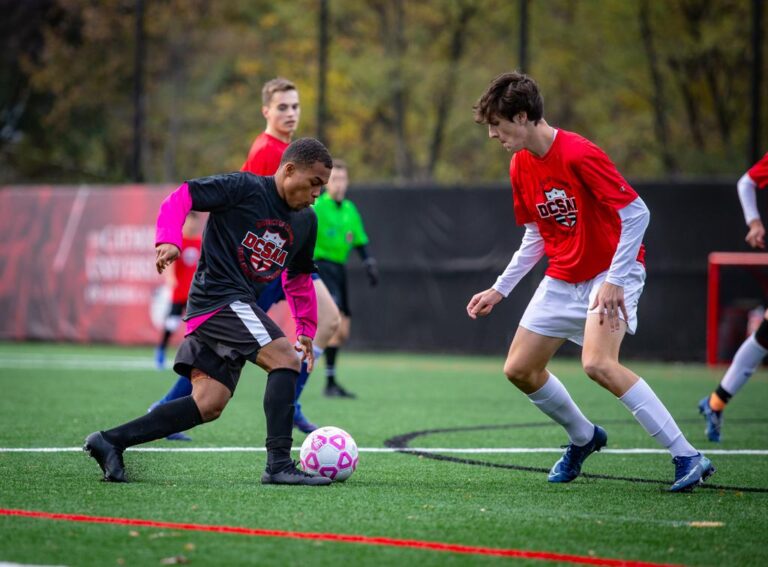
point(282, 111)
point(752, 351)
point(589, 222)
point(179, 280)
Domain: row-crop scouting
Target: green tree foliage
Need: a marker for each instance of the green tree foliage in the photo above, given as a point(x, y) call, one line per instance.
point(662, 85)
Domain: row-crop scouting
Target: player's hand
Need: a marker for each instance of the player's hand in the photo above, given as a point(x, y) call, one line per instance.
point(165, 254)
point(610, 301)
point(756, 235)
point(372, 271)
point(304, 346)
point(482, 303)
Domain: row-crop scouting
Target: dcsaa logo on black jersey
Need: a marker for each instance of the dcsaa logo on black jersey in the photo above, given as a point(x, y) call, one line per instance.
point(263, 251)
point(559, 206)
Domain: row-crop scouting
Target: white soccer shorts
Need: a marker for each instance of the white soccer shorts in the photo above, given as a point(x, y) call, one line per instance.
point(559, 309)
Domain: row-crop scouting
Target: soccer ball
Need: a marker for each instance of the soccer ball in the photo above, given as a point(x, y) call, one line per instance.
point(330, 452)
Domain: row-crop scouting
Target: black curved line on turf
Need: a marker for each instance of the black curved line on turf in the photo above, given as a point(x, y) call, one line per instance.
point(401, 442)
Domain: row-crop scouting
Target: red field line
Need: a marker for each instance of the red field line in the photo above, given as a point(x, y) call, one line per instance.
point(410, 543)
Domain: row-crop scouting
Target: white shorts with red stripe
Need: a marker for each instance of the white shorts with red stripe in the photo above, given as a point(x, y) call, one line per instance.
point(559, 309)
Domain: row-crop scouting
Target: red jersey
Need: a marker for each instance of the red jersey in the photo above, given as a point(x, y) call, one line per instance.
point(265, 155)
point(759, 172)
point(573, 194)
point(185, 266)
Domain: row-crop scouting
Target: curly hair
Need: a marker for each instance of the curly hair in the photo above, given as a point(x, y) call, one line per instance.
point(305, 152)
point(508, 95)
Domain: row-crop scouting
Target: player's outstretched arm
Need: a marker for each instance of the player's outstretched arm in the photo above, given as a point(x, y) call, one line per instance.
point(482, 303)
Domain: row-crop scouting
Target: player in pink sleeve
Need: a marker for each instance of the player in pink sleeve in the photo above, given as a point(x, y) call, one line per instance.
point(582, 214)
point(281, 111)
point(752, 351)
point(259, 229)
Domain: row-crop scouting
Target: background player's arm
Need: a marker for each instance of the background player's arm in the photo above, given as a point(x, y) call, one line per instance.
point(527, 256)
point(746, 187)
point(369, 262)
point(360, 242)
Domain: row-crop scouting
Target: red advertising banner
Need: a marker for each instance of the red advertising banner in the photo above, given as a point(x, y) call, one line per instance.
point(77, 263)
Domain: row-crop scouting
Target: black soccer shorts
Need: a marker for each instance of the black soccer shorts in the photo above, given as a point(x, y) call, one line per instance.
point(334, 276)
point(221, 346)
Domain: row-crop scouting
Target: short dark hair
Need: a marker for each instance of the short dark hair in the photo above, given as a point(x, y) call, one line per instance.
point(339, 164)
point(277, 85)
point(507, 96)
point(305, 152)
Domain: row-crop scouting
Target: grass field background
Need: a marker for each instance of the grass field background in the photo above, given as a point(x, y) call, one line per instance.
point(54, 395)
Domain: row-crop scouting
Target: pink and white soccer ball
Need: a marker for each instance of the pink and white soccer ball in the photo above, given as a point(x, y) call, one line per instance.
point(329, 451)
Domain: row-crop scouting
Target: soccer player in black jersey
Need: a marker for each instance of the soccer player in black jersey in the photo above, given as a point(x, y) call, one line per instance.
point(259, 229)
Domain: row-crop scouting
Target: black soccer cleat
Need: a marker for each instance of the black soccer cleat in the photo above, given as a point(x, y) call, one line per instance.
point(336, 391)
point(109, 457)
point(293, 475)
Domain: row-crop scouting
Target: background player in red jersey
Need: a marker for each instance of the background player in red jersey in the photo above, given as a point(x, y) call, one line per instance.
point(584, 216)
point(752, 351)
point(281, 110)
point(178, 280)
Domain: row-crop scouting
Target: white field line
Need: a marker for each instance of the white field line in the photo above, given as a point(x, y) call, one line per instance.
point(460, 450)
point(74, 362)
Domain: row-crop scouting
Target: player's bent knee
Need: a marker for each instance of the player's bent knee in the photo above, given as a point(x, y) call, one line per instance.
point(210, 404)
point(278, 354)
point(210, 413)
point(210, 395)
point(518, 374)
point(334, 322)
point(599, 369)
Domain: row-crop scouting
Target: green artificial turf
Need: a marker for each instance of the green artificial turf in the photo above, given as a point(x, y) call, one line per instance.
point(54, 395)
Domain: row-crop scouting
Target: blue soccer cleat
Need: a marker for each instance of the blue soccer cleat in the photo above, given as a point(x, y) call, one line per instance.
point(569, 465)
point(178, 437)
point(691, 471)
point(713, 420)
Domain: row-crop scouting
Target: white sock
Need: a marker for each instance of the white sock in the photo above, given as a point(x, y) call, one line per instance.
point(555, 401)
point(648, 409)
point(745, 362)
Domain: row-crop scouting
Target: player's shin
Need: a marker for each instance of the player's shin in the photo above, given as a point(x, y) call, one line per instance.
point(177, 415)
point(555, 401)
point(278, 408)
point(746, 360)
point(655, 418)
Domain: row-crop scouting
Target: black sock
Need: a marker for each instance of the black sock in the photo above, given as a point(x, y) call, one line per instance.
point(165, 339)
point(278, 407)
point(172, 417)
point(330, 366)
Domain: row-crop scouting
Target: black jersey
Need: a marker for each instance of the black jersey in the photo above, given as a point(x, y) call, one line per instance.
point(251, 236)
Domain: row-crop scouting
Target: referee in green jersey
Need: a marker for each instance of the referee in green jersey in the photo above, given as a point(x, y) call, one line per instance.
point(339, 230)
